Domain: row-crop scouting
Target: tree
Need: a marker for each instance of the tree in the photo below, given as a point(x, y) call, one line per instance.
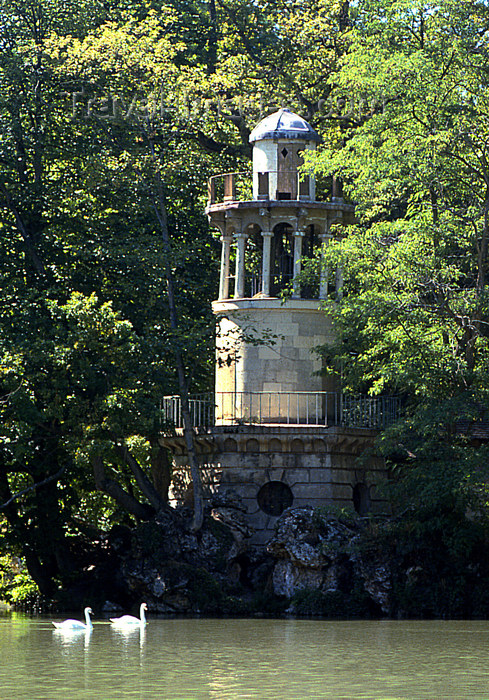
point(112, 117)
point(84, 362)
point(414, 314)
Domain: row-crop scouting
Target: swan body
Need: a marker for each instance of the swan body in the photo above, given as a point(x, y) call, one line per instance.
point(76, 625)
point(130, 619)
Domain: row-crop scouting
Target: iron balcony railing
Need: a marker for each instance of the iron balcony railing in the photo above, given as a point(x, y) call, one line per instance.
point(230, 187)
point(323, 408)
point(202, 410)
point(238, 186)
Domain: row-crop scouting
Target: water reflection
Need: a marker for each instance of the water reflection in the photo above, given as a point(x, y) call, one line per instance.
point(69, 638)
point(237, 659)
point(130, 637)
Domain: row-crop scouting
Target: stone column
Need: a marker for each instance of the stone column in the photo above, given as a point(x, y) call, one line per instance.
point(323, 271)
point(224, 279)
point(339, 282)
point(240, 265)
point(266, 262)
point(298, 237)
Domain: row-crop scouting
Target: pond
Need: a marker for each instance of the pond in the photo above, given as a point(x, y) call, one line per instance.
point(227, 659)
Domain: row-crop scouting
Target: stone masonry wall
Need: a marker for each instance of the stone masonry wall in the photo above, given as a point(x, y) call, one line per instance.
point(273, 468)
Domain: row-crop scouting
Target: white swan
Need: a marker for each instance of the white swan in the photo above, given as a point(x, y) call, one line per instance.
point(76, 625)
point(130, 619)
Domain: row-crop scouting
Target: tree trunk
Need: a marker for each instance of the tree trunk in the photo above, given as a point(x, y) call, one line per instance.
point(160, 470)
point(212, 38)
point(141, 479)
point(188, 427)
point(344, 16)
point(483, 247)
point(22, 536)
point(115, 491)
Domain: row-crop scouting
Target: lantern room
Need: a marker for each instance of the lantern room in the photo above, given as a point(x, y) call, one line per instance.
point(278, 145)
point(270, 223)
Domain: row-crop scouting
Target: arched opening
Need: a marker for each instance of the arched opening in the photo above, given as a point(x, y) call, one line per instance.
point(282, 258)
point(275, 445)
point(319, 446)
point(361, 498)
point(297, 445)
point(253, 261)
point(230, 445)
point(274, 497)
point(310, 245)
point(252, 445)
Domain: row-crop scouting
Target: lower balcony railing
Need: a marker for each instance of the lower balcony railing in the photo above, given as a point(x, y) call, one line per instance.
point(323, 408)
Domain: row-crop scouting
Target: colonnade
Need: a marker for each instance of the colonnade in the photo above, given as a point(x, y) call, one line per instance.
point(240, 240)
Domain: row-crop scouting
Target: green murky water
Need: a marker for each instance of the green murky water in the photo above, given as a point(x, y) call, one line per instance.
point(197, 659)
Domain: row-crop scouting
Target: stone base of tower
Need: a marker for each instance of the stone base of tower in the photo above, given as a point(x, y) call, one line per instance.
point(274, 467)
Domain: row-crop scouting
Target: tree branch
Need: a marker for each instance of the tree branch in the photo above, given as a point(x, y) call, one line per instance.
point(213, 146)
point(141, 479)
point(21, 227)
point(113, 489)
point(33, 487)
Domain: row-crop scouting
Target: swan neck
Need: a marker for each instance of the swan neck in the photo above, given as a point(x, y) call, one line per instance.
point(141, 614)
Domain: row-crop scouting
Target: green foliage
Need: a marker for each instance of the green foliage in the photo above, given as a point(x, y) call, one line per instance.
point(206, 592)
point(264, 603)
point(86, 348)
point(343, 514)
point(16, 586)
point(101, 103)
point(148, 541)
point(437, 556)
point(413, 316)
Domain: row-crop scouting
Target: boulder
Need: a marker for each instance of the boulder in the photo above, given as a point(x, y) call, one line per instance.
point(179, 571)
point(318, 552)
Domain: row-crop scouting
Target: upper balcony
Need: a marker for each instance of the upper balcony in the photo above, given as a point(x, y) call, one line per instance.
point(271, 186)
point(276, 408)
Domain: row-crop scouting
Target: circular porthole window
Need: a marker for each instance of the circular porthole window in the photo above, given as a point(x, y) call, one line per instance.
point(274, 497)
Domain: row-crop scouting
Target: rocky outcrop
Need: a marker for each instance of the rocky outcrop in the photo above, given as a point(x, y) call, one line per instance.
point(319, 552)
point(376, 576)
point(178, 571)
point(313, 564)
point(318, 563)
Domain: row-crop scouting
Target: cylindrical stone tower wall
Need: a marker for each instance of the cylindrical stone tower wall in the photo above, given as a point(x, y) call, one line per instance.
point(267, 346)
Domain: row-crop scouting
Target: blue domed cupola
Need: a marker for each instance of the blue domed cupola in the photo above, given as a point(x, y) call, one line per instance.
point(278, 142)
point(284, 124)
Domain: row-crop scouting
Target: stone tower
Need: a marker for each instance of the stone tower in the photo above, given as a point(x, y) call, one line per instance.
point(274, 230)
point(277, 432)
